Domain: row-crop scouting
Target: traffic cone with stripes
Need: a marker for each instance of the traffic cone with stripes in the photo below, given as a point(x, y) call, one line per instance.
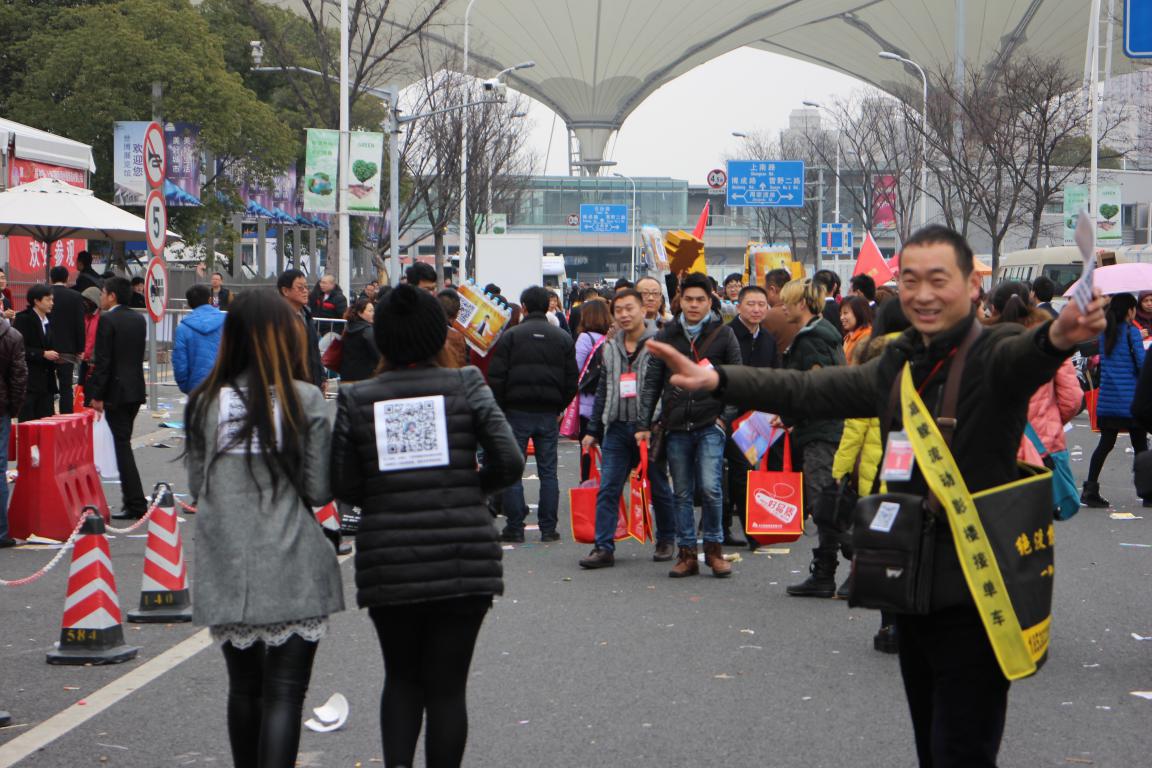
point(91, 632)
point(164, 593)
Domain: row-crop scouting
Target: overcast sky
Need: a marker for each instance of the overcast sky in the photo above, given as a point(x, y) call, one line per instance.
point(745, 90)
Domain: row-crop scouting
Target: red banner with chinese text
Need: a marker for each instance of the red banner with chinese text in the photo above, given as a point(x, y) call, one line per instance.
point(26, 257)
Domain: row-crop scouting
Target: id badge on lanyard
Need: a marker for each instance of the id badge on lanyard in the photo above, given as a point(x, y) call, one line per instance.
point(706, 364)
point(899, 459)
point(627, 385)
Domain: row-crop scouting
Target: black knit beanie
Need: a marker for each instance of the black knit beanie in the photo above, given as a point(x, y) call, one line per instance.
point(410, 326)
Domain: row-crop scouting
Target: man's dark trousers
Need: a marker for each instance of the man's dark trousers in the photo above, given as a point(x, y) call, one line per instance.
point(957, 694)
point(544, 431)
point(64, 372)
point(121, 418)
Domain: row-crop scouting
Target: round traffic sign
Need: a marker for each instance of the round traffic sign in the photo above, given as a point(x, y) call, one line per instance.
point(717, 178)
point(156, 221)
point(155, 155)
point(573, 219)
point(156, 288)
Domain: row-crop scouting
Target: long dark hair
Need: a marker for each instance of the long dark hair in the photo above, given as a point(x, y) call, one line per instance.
point(1117, 314)
point(1012, 302)
point(264, 340)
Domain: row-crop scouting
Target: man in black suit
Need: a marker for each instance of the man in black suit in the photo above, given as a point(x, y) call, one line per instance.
point(87, 277)
point(116, 384)
point(67, 333)
point(33, 325)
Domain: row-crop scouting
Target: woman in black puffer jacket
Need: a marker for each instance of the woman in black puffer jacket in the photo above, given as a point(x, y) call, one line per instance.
point(427, 555)
point(360, 356)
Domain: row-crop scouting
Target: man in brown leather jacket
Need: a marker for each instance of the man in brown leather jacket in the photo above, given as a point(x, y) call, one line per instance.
point(957, 693)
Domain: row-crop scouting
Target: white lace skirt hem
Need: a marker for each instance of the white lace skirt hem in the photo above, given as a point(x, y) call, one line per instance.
point(243, 636)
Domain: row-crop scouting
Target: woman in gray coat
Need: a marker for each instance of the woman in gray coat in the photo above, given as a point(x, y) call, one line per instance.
point(266, 576)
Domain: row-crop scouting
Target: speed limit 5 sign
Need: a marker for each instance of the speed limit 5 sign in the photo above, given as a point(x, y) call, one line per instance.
point(156, 219)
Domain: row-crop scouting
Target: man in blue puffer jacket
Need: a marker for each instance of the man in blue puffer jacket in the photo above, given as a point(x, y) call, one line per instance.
point(197, 339)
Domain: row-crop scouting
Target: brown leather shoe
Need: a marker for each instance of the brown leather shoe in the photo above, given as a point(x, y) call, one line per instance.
point(686, 564)
point(665, 551)
point(714, 559)
point(598, 558)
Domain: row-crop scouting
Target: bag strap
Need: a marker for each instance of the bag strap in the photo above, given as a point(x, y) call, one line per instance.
point(1037, 443)
point(642, 469)
point(706, 342)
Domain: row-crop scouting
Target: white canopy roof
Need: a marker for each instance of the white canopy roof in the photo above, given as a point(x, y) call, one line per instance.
point(30, 143)
point(597, 60)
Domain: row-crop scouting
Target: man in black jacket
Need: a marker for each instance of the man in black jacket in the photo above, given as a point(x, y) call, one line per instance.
point(758, 350)
point(34, 325)
point(293, 286)
point(87, 277)
point(221, 296)
point(695, 426)
point(533, 376)
point(956, 690)
point(116, 385)
point(67, 333)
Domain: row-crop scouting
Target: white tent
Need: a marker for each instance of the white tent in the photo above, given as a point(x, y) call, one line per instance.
point(28, 143)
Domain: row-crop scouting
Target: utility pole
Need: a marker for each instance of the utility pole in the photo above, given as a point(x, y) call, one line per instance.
point(153, 326)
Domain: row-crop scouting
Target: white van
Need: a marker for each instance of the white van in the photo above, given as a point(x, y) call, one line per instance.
point(1061, 263)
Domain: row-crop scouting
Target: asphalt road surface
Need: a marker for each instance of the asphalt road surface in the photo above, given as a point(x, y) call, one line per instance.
point(621, 666)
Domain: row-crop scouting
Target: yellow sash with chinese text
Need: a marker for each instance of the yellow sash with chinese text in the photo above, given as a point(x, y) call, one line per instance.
point(1018, 650)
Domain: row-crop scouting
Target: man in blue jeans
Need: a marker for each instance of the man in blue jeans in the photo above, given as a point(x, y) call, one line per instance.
point(533, 376)
point(613, 426)
point(695, 426)
point(13, 388)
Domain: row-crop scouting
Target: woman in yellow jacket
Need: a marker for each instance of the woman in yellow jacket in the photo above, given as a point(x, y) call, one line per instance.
point(860, 450)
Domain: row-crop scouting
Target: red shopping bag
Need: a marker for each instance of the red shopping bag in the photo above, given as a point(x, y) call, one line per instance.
point(775, 503)
point(582, 506)
point(639, 524)
point(1091, 399)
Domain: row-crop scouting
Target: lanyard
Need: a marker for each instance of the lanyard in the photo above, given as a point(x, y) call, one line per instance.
point(935, 370)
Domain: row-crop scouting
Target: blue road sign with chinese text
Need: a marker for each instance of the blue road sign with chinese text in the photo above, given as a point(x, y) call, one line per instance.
point(601, 219)
point(766, 183)
point(1138, 29)
point(836, 240)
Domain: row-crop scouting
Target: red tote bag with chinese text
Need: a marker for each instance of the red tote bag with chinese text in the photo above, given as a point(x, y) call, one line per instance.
point(775, 503)
point(582, 506)
point(639, 523)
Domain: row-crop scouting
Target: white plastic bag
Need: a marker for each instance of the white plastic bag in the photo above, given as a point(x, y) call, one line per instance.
point(104, 449)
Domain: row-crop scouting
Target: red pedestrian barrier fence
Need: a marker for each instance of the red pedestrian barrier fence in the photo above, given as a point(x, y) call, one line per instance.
point(57, 477)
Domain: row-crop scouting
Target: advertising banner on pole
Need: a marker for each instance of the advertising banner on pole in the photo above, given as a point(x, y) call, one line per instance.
point(321, 165)
point(182, 146)
point(365, 154)
point(1109, 224)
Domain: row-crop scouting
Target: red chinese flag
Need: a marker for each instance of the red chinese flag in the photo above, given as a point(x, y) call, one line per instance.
point(702, 222)
point(871, 262)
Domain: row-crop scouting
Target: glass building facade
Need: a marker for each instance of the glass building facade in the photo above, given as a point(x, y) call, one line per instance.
point(548, 201)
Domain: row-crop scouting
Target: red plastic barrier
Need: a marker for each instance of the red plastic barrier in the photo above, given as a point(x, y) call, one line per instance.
point(57, 477)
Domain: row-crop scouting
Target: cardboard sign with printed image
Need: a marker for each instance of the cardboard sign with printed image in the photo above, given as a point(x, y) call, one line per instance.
point(481, 319)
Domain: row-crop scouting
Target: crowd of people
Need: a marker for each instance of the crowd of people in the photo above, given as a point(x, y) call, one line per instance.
point(655, 372)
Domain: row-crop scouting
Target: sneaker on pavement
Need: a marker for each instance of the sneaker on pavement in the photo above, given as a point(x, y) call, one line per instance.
point(598, 558)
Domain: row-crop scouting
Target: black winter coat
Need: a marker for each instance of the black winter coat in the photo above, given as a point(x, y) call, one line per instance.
point(67, 320)
point(425, 534)
point(758, 352)
point(360, 355)
point(685, 411)
point(41, 371)
point(534, 367)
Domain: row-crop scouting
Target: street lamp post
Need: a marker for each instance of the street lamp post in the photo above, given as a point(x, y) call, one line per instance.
point(923, 133)
point(464, 150)
point(836, 200)
point(344, 276)
point(631, 219)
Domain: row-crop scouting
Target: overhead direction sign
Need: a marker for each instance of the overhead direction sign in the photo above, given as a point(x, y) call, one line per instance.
point(766, 183)
point(603, 219)
point(1138, 29)
point(156, 219)
point(836, 240)
point(155, 155)
point(156, 289)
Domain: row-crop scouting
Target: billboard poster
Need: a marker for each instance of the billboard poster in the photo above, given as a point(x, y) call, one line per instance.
point(884, 202)
point(1109, 223)
point(321, 163)
point(365, 153)
point(27, 258)
point(181, 140)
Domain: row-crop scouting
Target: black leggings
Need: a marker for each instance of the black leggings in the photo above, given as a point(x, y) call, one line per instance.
point(426, 659)
point(1107, 442)
point(266, 688)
